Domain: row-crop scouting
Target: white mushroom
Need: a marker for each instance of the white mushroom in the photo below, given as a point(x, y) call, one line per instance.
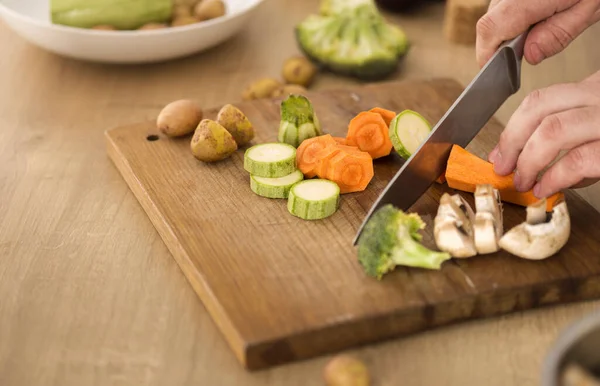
point(541, 235)
point(488, 225)
point(453, 226)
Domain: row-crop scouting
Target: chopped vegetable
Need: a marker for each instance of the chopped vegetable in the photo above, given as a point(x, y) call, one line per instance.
point(325, 156)
point(306, 155)
point(351, 169)
point(313, 199)
point(345, 370)
point(179, 118)
point(390, 238)
point(408, 130)
point(541, 235)
point(236, 122)
point(275, 187)
point(352, 38)
point(465, 171)
point(211, 142)
point(453, 226)
point(369, 132)
point(488, 224)
point(270, 160)
point(298, 120)
point(387, 115)
point(340, 140)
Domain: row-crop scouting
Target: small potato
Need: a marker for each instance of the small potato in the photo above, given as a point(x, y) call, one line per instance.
point(179, 118)
point(209, 9)
point(344, 370)
point(237, 123)
point(262, 88)
point(104, 27)
point(211, 142)
point(182, 10)
point(151, 26)
point(299, 70)
point(288, 89)
point(181, 21)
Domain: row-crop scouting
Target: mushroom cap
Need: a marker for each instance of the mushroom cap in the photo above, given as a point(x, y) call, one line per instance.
point(488, 225)
point(540, 240)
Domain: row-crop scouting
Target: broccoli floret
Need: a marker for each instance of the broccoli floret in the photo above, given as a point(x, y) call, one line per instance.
point(351, 37)
point(390, 238)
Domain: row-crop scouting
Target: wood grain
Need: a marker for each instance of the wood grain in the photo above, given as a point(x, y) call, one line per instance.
point(283, 289)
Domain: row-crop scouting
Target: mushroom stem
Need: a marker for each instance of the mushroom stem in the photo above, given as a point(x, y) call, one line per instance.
point(539, 237)
point(453, 226)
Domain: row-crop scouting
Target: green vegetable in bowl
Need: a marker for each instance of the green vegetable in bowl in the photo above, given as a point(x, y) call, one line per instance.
point(121, 14)
point(298, 120)
point(352, 38)
point(390, 238)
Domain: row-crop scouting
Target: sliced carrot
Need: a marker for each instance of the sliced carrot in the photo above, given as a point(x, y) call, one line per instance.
point(340, 140)
point(387, 115)
point(351, 171)
point(324, 157)
point(369, 132)
point(441, 179)
point(465, 171)
point(349, 148)
point(306, 154)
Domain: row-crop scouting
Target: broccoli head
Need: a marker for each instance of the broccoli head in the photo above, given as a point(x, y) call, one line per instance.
point(391, 237)
point(352, 38)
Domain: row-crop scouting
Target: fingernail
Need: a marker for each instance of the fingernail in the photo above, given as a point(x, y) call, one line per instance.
point(517, 180)
point(497, 161)
point(493, 154)
point(536, 53)
point(536, 190)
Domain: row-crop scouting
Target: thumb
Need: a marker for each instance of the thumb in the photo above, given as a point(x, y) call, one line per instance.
point(553, 35)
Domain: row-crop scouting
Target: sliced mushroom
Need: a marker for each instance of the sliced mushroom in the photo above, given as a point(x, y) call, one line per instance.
point(541, 235)
point(453, 226)
point(488, 226)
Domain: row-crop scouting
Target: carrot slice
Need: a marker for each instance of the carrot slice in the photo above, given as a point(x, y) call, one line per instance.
point(324, 156)
point(369, 132)
point(340, 140)
point(441, 179)
point(465, 171)
point(306, 154)
point(387, 115)
point(351, 171)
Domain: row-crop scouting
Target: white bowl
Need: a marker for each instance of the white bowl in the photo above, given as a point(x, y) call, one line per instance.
point(31, 20)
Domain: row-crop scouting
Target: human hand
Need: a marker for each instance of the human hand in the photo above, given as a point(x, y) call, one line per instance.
point(559, 23)
point(561, 117)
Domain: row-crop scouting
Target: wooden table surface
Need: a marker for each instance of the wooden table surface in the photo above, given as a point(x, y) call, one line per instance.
point(89, 293)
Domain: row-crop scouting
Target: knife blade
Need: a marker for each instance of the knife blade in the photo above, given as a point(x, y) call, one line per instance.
point(498, 79)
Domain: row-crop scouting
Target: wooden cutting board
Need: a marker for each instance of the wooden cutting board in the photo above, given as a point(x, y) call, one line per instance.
point(282, 289)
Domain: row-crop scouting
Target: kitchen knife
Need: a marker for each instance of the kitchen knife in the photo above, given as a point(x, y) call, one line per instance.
point(499, 78)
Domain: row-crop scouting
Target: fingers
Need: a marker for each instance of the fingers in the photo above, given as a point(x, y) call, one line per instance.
point(529, 115)
point(554, 34)
point(573, 169)
point(508, 18)
point(562, 131)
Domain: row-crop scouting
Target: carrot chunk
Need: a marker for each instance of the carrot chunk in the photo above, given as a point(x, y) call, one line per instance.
point(369, 132)
point(350, 170)
point(387, 115)
point(340, 140)
point(465, 171)
point(306, 154)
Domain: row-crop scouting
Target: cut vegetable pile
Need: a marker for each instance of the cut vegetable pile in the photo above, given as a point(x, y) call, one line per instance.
point(311, 170)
